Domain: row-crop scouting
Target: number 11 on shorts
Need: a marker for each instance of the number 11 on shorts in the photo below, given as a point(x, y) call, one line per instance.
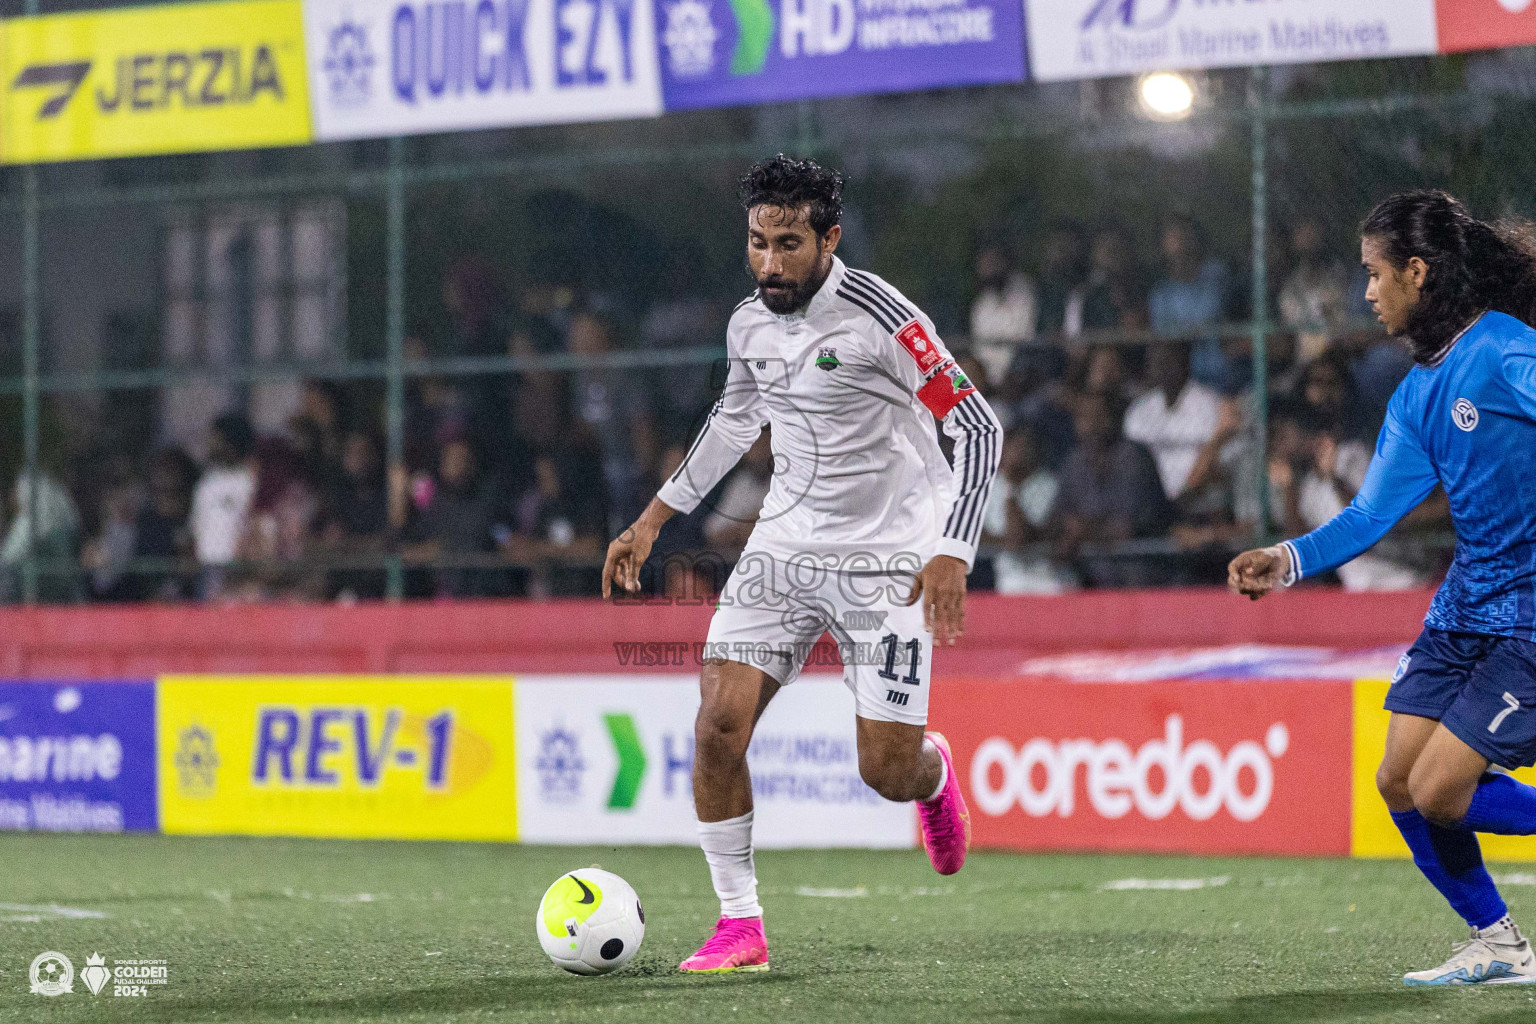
point(914, 648)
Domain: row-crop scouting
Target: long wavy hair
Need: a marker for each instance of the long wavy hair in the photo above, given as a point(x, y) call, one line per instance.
point(1473, 266)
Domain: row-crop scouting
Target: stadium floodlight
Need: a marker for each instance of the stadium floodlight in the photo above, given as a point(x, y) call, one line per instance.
point(1166, 96)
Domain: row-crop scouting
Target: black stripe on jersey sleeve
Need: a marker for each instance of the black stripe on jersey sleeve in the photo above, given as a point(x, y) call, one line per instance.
point(979, 448)
point(699, 439)
point(746, 301)
point(904, 311)
point(880, 318)
point(893, 311)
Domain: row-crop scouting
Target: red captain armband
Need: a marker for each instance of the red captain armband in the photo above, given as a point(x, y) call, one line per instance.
point(919, 346)
point(945, 390)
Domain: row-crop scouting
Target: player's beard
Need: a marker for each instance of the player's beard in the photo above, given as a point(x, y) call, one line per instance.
point(798, 295)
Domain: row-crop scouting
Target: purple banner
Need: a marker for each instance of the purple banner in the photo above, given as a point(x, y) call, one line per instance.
point(717, 53)
point(77, 757)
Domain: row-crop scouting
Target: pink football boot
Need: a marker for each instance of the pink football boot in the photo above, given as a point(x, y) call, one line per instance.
point(946, 822)
point(737, 945)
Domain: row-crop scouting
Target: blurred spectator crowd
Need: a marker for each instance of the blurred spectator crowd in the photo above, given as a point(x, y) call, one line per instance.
point(1131, 456)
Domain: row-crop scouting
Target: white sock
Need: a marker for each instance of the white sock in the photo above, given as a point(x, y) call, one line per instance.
point(943, 770)
point(1503, 929)
point(728, 848)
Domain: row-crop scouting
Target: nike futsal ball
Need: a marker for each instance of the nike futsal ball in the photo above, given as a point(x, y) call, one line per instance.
point(590, 922)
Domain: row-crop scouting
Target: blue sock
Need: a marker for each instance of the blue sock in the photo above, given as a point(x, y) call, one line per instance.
point(1453, 863)
point(1502, 806)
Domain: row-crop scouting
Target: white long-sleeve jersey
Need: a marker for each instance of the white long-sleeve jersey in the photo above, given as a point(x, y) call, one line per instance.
point(850, 388)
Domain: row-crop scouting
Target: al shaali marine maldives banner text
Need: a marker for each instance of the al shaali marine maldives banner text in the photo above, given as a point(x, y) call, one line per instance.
point(1095, 38)
point(724, 52)
point(178, 78)
point(400, 67)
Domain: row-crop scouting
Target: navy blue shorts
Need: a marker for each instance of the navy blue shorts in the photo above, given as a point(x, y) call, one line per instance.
point(1481, 688)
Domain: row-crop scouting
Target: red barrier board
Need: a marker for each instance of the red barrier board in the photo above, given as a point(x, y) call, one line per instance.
point(1485, 24)
point(1207, 767)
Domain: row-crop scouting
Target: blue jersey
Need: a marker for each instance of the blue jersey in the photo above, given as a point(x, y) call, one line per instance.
point(1468, 423)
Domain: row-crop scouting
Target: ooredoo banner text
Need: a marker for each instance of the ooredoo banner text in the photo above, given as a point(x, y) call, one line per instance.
point(1208, 767)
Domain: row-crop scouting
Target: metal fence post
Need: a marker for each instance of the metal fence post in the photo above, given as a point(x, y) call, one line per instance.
point(394, 331)
point(1258, 101)
point(31, 332)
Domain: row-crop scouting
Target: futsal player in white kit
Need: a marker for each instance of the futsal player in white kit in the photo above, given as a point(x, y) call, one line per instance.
point(867, 532)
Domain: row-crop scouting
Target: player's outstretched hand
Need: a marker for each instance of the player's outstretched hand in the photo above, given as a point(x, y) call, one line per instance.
point(941, 585)
point(626, 554)
point(1255, 573)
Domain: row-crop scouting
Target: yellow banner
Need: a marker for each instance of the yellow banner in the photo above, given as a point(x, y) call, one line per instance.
point(358, 757)
point(1372, 831)
point(173, 79)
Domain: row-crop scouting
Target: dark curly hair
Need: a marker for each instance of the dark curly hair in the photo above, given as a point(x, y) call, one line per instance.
point(784, 181)
point(1473, 266)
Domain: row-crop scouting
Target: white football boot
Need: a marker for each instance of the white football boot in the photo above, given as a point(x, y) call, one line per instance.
point(1504, 958)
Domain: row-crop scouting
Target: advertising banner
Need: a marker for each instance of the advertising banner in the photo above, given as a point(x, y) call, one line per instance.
point(609, 759)
point(77, 757)
point(724, 52)
point(400, 67)
point(1093, 38)
point(171, 79)
point(345, 756)
point(1485, 24)
point(1206, 767)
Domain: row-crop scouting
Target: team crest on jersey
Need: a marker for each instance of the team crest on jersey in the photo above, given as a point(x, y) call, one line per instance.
point(826, 359)
point(1464, 413)
point(919, 346)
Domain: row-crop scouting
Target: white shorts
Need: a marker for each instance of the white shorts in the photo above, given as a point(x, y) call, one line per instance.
point(772, 613)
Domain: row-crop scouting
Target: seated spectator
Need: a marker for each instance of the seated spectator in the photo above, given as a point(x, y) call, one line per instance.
point(1183, 423)
point(1191, 295)
point(1004, 312)
point(106, 556)
point(1314, 299)
point(357, 519)
point(1020, 521)
point(281, 526)
point(1328, 389)
point(458, 519)
point(1114, 297)
point(1110, 492)
point(163, 530)
point(561, 518)
point(49, 530)
point(735, 510)
point(221, 502)
point(613, 404)
point(1061, 292)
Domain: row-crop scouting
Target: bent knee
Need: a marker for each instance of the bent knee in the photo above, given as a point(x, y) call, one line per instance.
point(891, 781)
point(1440, 801)
point(720, 738)
point(1392, 784)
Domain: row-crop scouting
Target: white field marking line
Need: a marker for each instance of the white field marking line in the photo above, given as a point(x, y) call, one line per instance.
point(362, 897)
point(1164, 884)
point(1517, 878)
point(833, 894)
point(52, 911)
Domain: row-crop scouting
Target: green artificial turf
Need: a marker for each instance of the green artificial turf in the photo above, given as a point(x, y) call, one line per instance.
point(277, 930)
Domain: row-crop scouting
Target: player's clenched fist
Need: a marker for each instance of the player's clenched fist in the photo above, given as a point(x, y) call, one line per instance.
point(1257, 572)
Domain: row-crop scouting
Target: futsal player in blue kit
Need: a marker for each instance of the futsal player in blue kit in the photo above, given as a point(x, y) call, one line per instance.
point(1463, 701)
